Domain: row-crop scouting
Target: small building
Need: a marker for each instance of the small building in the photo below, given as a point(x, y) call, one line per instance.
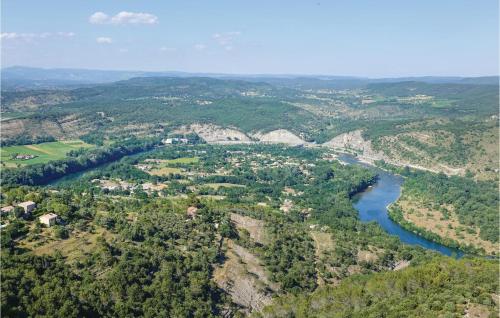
point(6, 209)
point(28, 206)
point(24, 157)
point(48, 219)
point(170, 141)
point(192, 211)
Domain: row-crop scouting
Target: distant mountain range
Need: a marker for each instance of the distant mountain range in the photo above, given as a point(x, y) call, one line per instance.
point(20, 77)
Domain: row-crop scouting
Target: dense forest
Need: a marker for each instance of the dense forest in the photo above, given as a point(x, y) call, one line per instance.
point(440, 288)
point(142, 248)
point(475, 203)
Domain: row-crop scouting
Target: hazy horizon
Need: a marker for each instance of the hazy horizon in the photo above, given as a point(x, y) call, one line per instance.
point(249, 74)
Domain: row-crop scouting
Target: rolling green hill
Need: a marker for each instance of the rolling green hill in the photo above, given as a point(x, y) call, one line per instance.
point(421, 123)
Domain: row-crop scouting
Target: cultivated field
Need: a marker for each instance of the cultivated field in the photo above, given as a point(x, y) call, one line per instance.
point(43, 152)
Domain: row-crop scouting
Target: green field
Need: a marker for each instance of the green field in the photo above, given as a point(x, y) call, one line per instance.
point(44, 152)
point(184, 160)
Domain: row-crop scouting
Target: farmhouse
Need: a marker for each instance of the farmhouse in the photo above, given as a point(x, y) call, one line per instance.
point(24, 157)
point(6, 209)
point(28, 206)
point(48, 219)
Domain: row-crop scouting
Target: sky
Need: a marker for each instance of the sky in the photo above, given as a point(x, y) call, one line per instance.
point(371, 38)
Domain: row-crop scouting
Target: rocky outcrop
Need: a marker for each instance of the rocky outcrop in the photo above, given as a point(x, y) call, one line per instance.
point(244, 278)
point(280, 136)
point(354, 141)
point(213, 134)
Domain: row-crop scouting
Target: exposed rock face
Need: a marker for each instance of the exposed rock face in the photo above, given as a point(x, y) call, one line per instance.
point(280, 136)
point(244, 278)
point(354, 141)
point(254, 227)
point(213, 134)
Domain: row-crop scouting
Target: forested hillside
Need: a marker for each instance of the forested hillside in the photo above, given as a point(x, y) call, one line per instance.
point(164, 230)
point(203, 230)
point(448, 127)
point(440, 288)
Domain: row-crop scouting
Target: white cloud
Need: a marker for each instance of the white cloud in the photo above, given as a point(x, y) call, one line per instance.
point(225, 38)
point(200, 47)
point(14, 35)
point(167, 49)
point(104, 40)
point(32, 36)
point(99, 18)
point(134, 18)
point(124, 17)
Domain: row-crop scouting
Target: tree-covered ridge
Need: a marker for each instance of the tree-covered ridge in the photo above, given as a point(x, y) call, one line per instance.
point(132, 251)
point(472, 99)
point(157, 266)
point(441, 288)
point(450, 127)
point(475, 202)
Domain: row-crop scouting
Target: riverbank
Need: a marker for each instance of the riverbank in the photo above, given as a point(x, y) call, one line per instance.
point(396, 214)
point(439, 224)
point(372, 205)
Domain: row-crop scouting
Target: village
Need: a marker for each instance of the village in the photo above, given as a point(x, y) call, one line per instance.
point(191, 172)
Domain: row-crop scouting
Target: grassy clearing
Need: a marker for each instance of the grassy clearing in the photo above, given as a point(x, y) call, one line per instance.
point(73, 248)
point(184, 160)
point(323, 242)
point(44, 152)
point(164, 171)
point(219, 185)
point(441, 103)
point(164, 167)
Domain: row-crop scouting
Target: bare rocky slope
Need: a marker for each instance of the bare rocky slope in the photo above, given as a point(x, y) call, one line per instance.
point(214, 134)
point(354, 142)
point(280, 136)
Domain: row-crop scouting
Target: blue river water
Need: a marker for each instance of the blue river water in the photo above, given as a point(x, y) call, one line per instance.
point(372, 206)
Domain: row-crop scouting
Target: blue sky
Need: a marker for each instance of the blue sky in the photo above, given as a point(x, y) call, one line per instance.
point(362, 38)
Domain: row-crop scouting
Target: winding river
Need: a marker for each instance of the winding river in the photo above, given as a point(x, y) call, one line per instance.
point(372, 206)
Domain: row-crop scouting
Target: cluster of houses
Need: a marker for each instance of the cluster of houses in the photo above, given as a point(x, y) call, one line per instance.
point(23, 157)
point(48, 219)
point(118, 184)
point(171, 141)
point(27, 206)
point(114, 184)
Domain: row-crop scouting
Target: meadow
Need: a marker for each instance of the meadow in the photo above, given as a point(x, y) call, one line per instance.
point(44, 152)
